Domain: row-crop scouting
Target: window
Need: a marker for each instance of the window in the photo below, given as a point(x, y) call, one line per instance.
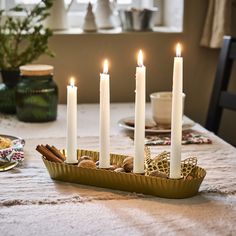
point(77, 8)
point(27, 1)
point(169, 17)
point(82, 4)
point(76, 4)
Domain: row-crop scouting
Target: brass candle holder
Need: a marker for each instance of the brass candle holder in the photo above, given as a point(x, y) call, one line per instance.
point(155, 181)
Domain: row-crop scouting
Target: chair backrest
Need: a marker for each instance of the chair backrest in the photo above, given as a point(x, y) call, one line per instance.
point(220, 98)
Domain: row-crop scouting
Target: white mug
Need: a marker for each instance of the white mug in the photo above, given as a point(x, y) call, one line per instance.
point(161, 103)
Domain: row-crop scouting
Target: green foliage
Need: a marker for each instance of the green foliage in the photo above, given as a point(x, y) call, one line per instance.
point(23, 40)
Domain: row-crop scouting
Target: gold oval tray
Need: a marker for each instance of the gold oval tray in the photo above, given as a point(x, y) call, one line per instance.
point(160, 187)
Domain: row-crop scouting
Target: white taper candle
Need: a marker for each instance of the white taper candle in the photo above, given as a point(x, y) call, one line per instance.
point(176, 117)
point(104, 137)
point(140, 100)
point(71, 138)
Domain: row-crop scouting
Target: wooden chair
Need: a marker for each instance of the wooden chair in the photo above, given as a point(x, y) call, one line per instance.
point(221, 98)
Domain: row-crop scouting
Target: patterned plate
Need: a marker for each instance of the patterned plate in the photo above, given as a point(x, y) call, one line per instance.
point(15, 152)
point(152, 127)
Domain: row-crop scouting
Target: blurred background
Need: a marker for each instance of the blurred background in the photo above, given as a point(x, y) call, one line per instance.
point(80, 54)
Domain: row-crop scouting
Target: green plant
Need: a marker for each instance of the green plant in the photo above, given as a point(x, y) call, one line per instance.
point(24, 39)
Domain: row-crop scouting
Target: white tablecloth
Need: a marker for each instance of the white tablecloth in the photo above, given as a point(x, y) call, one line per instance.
point(33, 204)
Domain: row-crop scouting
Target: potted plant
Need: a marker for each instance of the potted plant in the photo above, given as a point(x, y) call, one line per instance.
point(22, 40)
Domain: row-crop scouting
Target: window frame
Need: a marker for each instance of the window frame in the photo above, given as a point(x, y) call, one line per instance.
point(74, 7)
point(80, 6)
point(77, 11)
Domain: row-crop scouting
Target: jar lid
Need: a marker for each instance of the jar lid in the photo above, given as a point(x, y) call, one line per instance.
point(38, 70)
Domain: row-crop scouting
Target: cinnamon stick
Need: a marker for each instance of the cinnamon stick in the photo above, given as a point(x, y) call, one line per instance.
point(48, 154)
point(56, 152)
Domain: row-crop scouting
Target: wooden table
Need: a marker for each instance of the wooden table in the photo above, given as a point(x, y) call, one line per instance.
point(33, 204)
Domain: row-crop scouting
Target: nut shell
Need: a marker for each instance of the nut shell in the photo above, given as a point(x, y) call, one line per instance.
point(119, 170)
point(85, 158)
point(87, 164)
point(113, 167)
point(160, 174)
point(128, 164)
point(189, 177)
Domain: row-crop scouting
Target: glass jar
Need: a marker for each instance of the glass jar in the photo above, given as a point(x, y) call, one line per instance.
point(36, 94)
point(10, 79)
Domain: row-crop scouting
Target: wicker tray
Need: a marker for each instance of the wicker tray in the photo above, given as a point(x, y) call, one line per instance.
point(160, 187)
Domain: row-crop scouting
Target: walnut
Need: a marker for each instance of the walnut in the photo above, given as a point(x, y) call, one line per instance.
point(85, 158)
point(113, 167)
point(128, 164)
point(87, 164)
point(189, 177)
point(160, 174)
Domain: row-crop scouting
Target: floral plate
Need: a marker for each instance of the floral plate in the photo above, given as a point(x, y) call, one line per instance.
point(15, 152)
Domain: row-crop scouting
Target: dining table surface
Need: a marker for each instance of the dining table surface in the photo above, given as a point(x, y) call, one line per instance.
point(31, 203)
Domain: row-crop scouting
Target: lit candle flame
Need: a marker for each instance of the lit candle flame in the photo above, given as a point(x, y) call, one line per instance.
point(105, 66)
point(140, 58)
point(178, 50)
point(72, 81)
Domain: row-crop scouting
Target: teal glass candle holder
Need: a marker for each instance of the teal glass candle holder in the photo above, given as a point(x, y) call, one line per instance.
point(36, 94)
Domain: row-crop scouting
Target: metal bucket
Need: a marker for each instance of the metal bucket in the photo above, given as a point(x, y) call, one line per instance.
point(138, 19)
